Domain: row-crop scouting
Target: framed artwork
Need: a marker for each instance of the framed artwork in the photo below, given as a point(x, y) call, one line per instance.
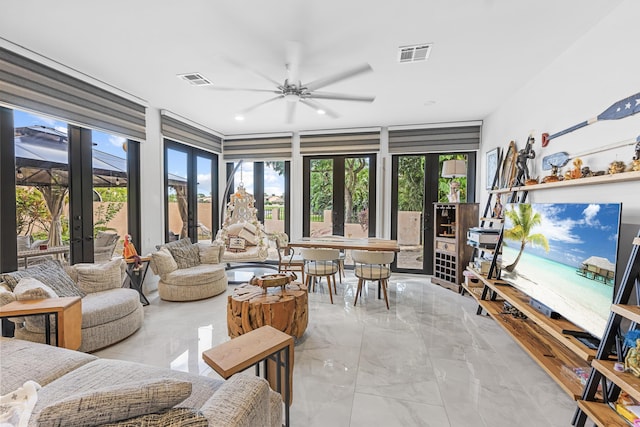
point(508, 172)
point(493, 157)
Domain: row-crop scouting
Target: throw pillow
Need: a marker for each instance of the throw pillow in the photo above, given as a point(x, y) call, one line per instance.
point(183, 417)
point(6, 296)
point(100, 277)
point(115, 403)
point(31, 288)
point(209, 253)
point(249, 233)
point(162, 262)
point(51, 273)
point(186, 256)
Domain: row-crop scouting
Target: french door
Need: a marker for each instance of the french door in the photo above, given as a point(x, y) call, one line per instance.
point(339, 195)
point(191, 197)
point(416, 185)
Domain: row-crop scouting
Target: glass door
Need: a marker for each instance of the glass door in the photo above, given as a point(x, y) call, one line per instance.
point(190, 193)
point(417, 184)
point(339, 194)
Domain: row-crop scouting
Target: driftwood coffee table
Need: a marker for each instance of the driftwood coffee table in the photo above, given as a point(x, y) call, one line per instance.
point(284, 308)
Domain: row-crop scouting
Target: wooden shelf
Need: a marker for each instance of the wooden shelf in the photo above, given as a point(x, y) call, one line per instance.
point(602, 414)
point(553, 327)
point(626, 381)
point(474, 291)
point(593, 180)
point(631, 312)
point(553, 357)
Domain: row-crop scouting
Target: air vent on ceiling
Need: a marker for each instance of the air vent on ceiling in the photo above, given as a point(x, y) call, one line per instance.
point(195, 79)
point(416, 53)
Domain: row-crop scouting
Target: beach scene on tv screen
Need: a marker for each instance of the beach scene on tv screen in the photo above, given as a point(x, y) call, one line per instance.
point(564, 255)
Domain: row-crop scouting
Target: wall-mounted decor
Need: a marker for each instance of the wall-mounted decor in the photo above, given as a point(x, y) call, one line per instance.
point(619, 110)
point(493, 157)
point(508, 171)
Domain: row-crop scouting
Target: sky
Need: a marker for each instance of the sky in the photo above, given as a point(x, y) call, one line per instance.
point(575, 231)
point(112, 144)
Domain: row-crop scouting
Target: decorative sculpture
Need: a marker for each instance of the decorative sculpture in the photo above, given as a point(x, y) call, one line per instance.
point(521, 161)
point(129, 252)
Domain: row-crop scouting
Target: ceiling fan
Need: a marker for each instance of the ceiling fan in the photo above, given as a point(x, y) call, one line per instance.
point(294, 91)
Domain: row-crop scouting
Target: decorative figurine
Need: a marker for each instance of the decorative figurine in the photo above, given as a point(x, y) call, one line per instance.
point(521, 161)
point(632, 360)
point(129, 252)
point(616, 167)
point(586, 172)
point(553, 177)
point(576, 172)
point(497, 208)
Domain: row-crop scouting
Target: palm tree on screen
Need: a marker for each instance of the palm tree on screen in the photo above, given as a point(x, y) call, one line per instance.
point(524, 219)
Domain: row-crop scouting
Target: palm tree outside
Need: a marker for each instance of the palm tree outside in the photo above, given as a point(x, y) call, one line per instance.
point(524, 219)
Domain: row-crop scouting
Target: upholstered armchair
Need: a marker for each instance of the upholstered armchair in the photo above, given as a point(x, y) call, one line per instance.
point(103, 246)
point(242, 234)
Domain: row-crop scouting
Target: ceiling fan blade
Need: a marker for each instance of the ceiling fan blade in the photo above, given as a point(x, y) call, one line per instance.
point(317, 106)
point(340, 96)
point(254, 71)
point(294, 50)
point(317, 84)
point(260, 104)
point(245, 89)
point(291, 111)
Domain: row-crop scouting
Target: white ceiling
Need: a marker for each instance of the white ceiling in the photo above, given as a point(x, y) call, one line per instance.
point(484, 51)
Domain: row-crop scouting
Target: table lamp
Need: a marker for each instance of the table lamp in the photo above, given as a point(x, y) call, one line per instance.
point(454, 169)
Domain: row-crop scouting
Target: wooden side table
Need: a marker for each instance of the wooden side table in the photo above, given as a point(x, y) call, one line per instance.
point(67, 312)
point(263, 344)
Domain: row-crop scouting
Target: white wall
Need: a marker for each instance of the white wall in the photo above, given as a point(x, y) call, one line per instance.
point(599, 69)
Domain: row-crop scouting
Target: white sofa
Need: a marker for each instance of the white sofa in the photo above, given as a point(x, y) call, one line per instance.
point(81, 389)
point(110, 313)
point(189, 271)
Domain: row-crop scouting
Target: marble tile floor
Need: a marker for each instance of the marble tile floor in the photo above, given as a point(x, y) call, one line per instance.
point(428, 361)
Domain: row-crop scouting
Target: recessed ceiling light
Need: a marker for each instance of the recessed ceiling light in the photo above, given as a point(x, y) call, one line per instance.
point(239, 117)
point(321, 112)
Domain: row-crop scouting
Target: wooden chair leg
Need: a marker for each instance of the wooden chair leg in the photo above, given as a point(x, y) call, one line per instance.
point(334, 284)
point(329, 287)
point(358, 291)
point(384, 290)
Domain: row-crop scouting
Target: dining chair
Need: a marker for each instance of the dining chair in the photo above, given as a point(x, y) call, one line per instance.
point(321, 263)
point(288, 260)
point(372, 266)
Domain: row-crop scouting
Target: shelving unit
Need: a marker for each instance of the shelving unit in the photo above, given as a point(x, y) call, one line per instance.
point(451, 254)
point(591, 405)
point(539, 336)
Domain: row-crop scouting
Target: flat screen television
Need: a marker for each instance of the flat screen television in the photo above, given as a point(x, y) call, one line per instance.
point(564, 255)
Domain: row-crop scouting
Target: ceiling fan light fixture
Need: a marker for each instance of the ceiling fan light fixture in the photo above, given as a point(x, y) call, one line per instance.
point(291, 97)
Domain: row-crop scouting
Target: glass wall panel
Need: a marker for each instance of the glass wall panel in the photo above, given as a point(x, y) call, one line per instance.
point(42, 185)
point(410, 224)
point(205, 198)
point(356, 196)
point(110, 194)
point(274, 200)
point(177, 210)
point(321, 197)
